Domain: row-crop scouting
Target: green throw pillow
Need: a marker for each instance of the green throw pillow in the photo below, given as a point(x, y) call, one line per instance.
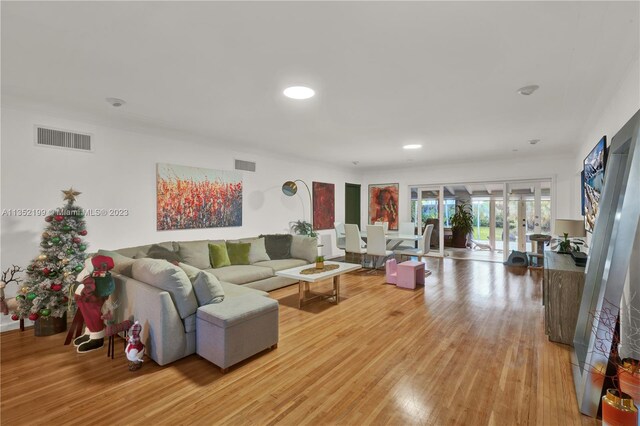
point(239, 253)
point(218, 255)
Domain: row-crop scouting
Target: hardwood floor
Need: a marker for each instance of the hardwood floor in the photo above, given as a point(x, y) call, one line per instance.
point(469, 348)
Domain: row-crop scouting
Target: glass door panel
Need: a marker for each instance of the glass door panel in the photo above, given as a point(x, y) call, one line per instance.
point(545, 218)
point(499, 243)
point(430, 215)
point(512, 223)
point(480, 208)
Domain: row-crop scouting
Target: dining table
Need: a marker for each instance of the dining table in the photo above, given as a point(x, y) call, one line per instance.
point(394, 239)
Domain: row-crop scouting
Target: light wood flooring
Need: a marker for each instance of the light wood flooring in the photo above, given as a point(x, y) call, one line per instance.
point(469, 348)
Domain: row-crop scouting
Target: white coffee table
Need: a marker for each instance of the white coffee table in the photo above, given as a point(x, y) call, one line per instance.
point(304, 295)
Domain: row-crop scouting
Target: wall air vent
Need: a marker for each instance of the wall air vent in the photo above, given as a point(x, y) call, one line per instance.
point(63, 139)
point(248, 166)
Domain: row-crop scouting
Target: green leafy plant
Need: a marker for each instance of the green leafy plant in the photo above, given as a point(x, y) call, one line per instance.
point(320, 259)
point(302, 227)
point(564, 244)
point(462, 220)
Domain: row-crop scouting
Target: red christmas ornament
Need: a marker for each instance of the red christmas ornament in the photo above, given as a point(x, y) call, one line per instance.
point(83, 232)
point(59, 218)
point(15, 317)
point(48, 218)
point(46, 271)
point(77, 240)
point(65, 299)
point(33, 317)
point(56, 287)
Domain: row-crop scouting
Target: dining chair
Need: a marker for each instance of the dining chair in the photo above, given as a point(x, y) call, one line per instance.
point(377, 243)
point(353, 241)
point(385, 225)
point(424, 245)
point(340, 235)
point(406, 228)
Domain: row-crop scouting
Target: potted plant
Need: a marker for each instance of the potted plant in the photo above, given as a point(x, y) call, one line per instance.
point(320, 262)
point(461, 225)
point(564, 244)
point(302, 227)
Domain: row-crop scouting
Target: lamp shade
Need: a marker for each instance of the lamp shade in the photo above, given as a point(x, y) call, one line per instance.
point(289, 188)
point(573, 228)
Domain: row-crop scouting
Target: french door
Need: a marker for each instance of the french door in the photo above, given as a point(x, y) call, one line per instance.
point(427, 208)
point(505, 214)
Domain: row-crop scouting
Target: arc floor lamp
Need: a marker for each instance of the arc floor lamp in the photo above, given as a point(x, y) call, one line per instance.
point(290, 188)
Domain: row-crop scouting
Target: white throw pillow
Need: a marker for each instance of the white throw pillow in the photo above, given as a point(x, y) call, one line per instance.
point(166, 276)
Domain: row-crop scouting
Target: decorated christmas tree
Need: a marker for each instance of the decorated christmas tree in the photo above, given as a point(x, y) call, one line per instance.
point(48, 289)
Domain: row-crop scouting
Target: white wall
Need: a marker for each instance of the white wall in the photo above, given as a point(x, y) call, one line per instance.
point(606, 119)
point(526, 168)
point(615, 111)
point(121, 174)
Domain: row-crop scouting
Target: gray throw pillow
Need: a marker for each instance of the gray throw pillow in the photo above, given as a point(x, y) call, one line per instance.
point(140, 255)
point(208, 289)
point(191, 271)
point(258, 251)
point(278, 246)
point(170, 278)
point(121, 264)
point(304, 247)
point(195, 253)
point(206, 286)
point(159, 252)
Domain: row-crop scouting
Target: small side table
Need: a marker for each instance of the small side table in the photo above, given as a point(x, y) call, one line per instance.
point(410, 273)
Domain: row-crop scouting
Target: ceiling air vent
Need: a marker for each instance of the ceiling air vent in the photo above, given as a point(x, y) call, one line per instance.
point(63, 139)
point(248, 166)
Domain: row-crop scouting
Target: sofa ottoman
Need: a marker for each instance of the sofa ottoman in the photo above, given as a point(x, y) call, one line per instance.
point(235, 329)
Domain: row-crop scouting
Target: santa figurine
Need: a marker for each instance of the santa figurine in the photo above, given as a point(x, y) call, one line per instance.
point(135, 347)
point(96, 284)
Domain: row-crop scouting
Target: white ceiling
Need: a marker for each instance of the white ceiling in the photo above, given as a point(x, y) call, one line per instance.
point(386, 73)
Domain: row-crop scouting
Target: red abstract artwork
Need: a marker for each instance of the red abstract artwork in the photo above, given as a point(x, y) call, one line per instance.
point(190, 197)
point(383, 204)
point(324, 196)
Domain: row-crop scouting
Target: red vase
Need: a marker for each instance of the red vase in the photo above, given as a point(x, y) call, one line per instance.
point(629, 378)
point(618, 409)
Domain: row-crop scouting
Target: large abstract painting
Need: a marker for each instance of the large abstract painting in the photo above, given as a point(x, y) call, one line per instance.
point(324, 205)
point(383, 204)
point(190, 197)
point(593, 182)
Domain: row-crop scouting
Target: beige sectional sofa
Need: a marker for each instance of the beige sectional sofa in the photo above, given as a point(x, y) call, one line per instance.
point(170, 331)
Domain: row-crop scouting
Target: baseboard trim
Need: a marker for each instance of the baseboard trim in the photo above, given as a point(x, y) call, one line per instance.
point(14, 325)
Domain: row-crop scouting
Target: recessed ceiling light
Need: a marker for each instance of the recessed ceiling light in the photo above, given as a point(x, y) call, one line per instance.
point(412, 146)
point(299, 92)
point(534, 141)
point(527, 90)
point(115, 102)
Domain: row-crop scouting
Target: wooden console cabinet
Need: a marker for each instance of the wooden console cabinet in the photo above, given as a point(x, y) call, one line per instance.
point(561, 294)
